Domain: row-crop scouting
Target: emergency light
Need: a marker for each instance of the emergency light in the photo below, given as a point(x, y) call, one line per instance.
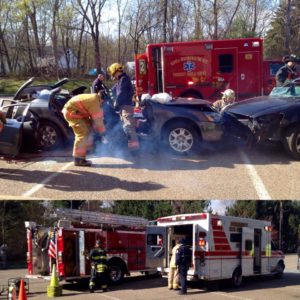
point(202, 243)
point(268, 228)
point(190, 82)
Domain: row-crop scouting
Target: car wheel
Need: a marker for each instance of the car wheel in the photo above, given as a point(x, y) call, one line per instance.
point(292, 141)
point(181, 138)
point(48, 136)
point(116, 273)
point(237, 278)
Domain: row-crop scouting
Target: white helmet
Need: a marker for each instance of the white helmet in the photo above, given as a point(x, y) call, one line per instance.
point(228, 94)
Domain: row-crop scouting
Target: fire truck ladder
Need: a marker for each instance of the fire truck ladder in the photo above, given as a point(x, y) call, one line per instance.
point(98, 217)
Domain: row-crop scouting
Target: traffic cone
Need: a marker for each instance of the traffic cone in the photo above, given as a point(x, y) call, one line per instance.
point(54, 289)
point(22, 291)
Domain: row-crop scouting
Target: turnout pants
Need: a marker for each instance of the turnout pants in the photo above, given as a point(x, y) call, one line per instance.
point(99, 278)
point(83, 136)
point(173, 278)
point(126, 113)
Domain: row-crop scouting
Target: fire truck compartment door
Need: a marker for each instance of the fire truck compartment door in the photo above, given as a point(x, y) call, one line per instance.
point(156, 245)
point(81, 253)
point(247, 251)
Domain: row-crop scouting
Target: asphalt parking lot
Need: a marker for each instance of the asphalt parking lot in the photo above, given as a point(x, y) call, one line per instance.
point(215, 173)
point(138, 287)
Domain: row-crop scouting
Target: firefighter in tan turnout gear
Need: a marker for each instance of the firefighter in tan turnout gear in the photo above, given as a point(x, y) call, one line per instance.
point(173, 278)
point(99, 268)
point(84, 113)
point(228, 97)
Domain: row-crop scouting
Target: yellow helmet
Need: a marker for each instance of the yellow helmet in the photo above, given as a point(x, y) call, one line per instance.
point(112, 69)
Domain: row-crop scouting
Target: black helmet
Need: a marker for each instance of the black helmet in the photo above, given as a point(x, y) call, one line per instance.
point(98, 243)
point(287, 58)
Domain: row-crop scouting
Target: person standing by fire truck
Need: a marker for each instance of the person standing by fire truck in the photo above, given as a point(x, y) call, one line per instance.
point(288, 72)
point(99, 268)
point(183, 261)
point(173, 278)
point(84, 112)
point(123, 93)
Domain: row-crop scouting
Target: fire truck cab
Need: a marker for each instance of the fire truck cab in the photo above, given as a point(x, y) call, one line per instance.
point(203, 69)
point(223, 247)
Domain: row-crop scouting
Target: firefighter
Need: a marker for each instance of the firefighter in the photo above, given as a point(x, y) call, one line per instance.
point(173, 278)
point(2, 121)
point(123, 92)
point(288, 72)
point(228, 97)
point(183, 262)
point(99, 268)
point(84, 112)
point(298, 261)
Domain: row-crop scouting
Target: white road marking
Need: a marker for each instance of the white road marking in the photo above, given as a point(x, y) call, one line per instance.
point(109, 297)
point(231, 296)
point(258, 184)
point(45, 181)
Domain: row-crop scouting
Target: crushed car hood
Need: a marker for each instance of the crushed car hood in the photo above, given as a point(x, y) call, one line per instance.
point(186, 101)
point(258, 106)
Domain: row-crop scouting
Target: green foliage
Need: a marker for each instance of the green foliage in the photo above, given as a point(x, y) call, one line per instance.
point(13, 233)
point(152, 210)
point(270, 210)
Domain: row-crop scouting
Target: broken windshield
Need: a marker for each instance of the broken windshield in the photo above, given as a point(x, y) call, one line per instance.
point(291, 91)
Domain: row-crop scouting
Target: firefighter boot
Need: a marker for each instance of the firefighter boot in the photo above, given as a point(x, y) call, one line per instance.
point(82, 162)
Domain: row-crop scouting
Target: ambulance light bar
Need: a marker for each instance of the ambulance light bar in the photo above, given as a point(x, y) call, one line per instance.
point(192, 217)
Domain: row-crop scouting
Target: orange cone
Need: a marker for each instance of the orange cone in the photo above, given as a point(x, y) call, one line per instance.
point(22, 291)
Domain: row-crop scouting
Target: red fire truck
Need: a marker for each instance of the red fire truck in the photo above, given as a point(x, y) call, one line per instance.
point(203, 69)
point(75, 234)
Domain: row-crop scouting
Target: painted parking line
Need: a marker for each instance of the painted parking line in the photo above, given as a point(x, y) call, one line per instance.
point(258, 184)
point(110, 297)
point(230, 296)
point(45, 181)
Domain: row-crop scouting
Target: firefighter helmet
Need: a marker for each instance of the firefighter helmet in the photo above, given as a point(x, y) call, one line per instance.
point(115, 67)
point(289, 58)
point(228, 94)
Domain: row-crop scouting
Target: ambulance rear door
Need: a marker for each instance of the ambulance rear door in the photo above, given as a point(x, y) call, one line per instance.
point(156, 246)
point(247, 251)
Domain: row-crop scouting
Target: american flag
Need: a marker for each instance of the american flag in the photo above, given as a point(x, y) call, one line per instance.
point(52, 244)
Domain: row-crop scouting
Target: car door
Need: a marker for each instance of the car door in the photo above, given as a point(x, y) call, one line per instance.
point(11, 136)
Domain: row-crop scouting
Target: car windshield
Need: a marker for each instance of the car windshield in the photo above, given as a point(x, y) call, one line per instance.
point(291, 91)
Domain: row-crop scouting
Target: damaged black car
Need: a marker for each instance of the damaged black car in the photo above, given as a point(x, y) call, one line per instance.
point(34, 116)
point(274, 118)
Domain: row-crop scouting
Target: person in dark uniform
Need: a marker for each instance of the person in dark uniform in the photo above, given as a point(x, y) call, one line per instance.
point(298, 261)
point(98, 86)
point(183, 261)
point(288, 72)
point(99, 268)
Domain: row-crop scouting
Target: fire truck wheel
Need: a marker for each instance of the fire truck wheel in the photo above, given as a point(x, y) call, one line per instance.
point(116, 272)
point(181, 138)
point(237, 278)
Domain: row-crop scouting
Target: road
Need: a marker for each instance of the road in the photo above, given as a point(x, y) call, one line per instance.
point(140, 287)
point(215, 173)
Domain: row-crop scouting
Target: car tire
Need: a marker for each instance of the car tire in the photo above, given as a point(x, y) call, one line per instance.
point(292, 141)
point(237, 278)
point(49, 136)
point(181, 138)
point(116, 272)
